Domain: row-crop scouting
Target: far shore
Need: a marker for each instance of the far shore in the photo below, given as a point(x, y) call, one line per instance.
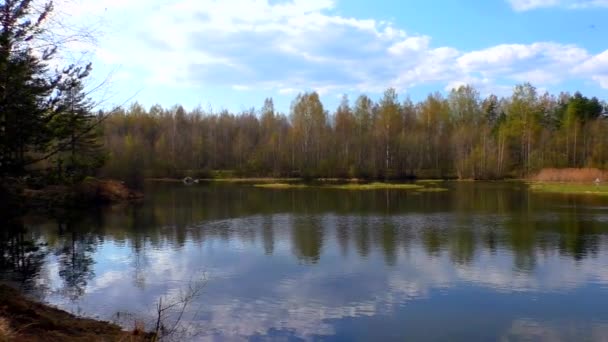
point(569, 187)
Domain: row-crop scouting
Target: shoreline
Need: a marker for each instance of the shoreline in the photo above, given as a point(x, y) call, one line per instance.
point(91, 192)
point(312, 180)
point(571, 187)
point(568, 188)
point(24, 319)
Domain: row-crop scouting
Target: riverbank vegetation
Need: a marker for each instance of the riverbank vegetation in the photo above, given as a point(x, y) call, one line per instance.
point(584, 175)
point(588, 181)
point(281, 185)
point(354, 186)
point(374, 186)
point(570, 188)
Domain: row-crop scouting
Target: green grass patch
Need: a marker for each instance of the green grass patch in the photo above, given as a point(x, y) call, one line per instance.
point(428, 181)
point(253, 180)
point(375, 186)
point(432, 190)
point(570, 188)
point(280, 186)
point(349, 186)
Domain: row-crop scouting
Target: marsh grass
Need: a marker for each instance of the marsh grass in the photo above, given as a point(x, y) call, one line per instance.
point(432, 190)
point(570, 188)
point(281, 186)
point(252, 180)
point(353, 186)
point(428, 181)
point(375, 186)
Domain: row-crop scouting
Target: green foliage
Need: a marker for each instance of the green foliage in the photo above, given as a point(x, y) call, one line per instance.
point(462, 137)
point(74, 128)
point(45, 117)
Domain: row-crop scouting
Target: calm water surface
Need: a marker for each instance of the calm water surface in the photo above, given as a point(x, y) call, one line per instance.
point(483, 261)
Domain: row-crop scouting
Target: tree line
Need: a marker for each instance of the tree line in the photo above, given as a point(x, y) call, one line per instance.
point(459, 135)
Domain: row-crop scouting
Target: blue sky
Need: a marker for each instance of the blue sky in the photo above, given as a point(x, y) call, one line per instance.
point(233, 53)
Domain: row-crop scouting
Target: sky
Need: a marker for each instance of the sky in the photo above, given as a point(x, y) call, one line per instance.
point(232, 54)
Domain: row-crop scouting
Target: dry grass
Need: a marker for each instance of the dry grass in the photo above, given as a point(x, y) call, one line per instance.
point(250, 180)
point(432, 190)
point(428, 181)
point(570, 188)
point(139, 328)
point(570, 175)
point(6, 332)
point(280, 186)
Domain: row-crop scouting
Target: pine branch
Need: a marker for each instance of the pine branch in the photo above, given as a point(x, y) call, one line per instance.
point(62, 146)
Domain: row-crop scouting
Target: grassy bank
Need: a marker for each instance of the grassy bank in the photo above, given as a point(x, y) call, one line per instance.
point(281, 185)
point(570, 188)
point(228, 180)
point(353, 186)
point(580, 175)
point(375, 186)
point(251, 180)
point(22, 319)
point(349, 186)
point(432, 190)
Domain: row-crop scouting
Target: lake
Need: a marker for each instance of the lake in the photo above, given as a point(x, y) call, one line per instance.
point(481, 261)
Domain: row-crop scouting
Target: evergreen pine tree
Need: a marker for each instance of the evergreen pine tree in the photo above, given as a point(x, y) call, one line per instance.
point(36, 102)
point(75, 131)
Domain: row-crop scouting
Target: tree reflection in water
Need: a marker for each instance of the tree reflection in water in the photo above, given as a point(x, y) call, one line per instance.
point(22, 254)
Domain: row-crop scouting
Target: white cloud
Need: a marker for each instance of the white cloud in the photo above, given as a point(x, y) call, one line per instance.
point(589, 4)
point(595, 67)
point(602, 80)
point(527, 5)
point(410, 44)
point(240, 87)
point(296, 45)
point(506, 57)
point(595, 64)
point(537, 77)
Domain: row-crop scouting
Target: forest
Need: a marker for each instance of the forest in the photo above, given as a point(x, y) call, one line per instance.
point(459, 136)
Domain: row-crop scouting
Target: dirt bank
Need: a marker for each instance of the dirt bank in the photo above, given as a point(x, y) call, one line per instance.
point(90, 192)
point(22, 319)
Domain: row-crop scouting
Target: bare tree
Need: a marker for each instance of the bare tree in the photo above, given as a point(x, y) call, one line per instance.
point(170, 311)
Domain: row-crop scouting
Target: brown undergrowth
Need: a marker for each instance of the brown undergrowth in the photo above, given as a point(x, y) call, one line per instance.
point(571, 175)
